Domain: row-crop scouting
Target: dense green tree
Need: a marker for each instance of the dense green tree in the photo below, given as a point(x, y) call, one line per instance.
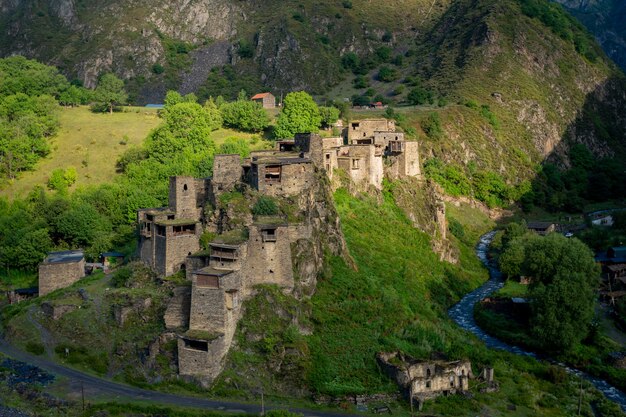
point(174, 97)
point(564, 280)
point(387, 74)
point(300, 114)
point(21, 75)
point(26, 123)
point(245, 114)
point(330, 115)
point(110, 92)
point(419, 95)
point(235, 146)
point(80, 225)
point(74, 96)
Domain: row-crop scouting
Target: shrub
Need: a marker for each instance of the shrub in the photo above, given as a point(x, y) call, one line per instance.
point(57, 180)
point(456, 228)
point(347, 4)
point(360, 81)
point(158, 68)
point(70, 176)
point(419, 96)
point(386, 74)
point(265, 206)
point(35, 348)
point(246, 49)
point(432, 126)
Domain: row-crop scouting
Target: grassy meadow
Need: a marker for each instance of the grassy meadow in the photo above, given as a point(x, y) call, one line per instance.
point(93, 142)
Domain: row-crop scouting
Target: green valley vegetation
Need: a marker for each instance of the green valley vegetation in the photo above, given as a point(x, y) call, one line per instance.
point(560, 317)
point(28, 113)
point(563, 283)
point(110, 92)
point(244, 114)
point(100, 217)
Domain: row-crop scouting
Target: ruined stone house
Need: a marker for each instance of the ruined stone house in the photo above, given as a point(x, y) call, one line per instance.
point(422, 380)
point(60, 270)
point(260, 249)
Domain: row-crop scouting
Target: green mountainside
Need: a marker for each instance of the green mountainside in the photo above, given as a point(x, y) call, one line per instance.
point(513, 82)
point(605, 19)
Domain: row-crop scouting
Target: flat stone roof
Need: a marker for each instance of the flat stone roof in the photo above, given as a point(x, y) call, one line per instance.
point(281, 161)
point(213, 271)
point(67, 256)
point(177, 222)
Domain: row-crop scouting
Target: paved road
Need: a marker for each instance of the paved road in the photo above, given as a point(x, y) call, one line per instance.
point(463, 314)
point(121, 392)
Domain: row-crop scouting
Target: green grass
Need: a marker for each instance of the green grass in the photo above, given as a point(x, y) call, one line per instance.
point(92, 143)
point(13, 279)
point(513, 289)
point(89, 142)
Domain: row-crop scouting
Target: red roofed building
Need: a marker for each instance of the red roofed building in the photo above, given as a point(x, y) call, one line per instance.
point(267, 100)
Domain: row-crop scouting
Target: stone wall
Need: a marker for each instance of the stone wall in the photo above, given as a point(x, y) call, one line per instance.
point(362, 164)
point(184, 197)
point(216, 309)
point(426, 379)
point(203, 365)
point(294, 177)
point(404, 164)
point(367, 128)
point(269, 259)
point(53, 276)
point(178, 248)
point(227, 171)
point(178, 309)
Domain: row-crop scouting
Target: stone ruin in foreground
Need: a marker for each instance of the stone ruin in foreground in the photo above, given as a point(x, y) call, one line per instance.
point(248, 250)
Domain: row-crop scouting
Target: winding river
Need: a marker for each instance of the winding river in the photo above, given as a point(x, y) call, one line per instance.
point(463, 314)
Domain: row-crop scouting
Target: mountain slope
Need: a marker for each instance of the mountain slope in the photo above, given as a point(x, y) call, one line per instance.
point(605, 19)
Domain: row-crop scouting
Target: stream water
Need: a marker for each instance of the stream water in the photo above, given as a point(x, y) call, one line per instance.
point(463, 314)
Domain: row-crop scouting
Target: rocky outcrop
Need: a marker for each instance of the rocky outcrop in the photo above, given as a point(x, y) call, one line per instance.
point(423, 203)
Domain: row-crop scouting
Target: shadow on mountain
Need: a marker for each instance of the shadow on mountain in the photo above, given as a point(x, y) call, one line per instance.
point(588, 165)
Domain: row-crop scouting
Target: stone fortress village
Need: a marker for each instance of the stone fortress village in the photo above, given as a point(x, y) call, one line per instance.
point(246, 250)
point(225, 275)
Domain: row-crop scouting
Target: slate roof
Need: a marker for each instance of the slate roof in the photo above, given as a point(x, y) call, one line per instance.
point(67, 256)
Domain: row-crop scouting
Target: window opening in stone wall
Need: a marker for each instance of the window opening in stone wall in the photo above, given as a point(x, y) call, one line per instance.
point(196, 345)
point(160, 230)
point(185, 187)
point(272, 173)
point(427, 373)
point(451, 381)
point(171, 216)
point(427, 384)
point(186, 229)
point(269, 235)
point(355, 164)
point(149, 217)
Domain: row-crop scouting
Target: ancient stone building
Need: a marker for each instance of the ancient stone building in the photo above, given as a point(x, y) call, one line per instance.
point(168, 235)
point(424, 380)
point(60, 270)
point(248, 250)
point(368, 150)
point(362, 129)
